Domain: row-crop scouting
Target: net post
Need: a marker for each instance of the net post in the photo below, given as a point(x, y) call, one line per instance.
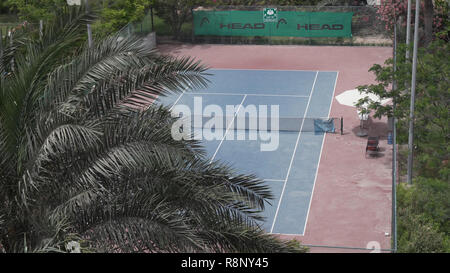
point(342, 125)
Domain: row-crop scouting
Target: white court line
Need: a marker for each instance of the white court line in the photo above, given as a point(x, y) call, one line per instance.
point(260, 69)
point(288, 234)
point(274, 180)
point(320, 157)
point(175, 103)
point(228, 128)
point(251, 94)
point(293, 154)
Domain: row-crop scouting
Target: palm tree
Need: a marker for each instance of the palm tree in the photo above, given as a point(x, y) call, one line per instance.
point(86, 159)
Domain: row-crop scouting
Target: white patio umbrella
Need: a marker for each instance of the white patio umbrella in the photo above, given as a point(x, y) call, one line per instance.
point(351, 98)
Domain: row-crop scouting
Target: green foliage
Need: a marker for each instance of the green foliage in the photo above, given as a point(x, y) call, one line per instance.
point(36, 10)
point(116, 14)
point(428, 196)
point(175, 12)
point(418, 234)
point(424, 214)
point(3, 7)
point(441, 20)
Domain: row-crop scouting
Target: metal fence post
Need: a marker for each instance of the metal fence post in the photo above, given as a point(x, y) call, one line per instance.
point(408, 28)
point(394, 149)
point(413, 94)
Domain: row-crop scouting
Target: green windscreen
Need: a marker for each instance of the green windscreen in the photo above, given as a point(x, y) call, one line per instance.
point(286, 23)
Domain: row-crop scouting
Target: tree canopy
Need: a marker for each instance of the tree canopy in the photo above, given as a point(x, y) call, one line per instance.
point(36, 10)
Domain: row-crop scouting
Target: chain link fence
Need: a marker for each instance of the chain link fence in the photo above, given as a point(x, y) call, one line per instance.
point(366, 28)
point(143, 28)
point(140, 28)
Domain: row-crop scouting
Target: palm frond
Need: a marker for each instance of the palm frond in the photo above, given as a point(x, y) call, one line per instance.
point(148, 226)
point(87, 157)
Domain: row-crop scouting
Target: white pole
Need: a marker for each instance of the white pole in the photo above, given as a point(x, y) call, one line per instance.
point(41, 28)
point(408, 28)
point(413, 94)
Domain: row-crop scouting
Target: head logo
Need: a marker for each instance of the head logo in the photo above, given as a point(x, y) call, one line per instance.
point(204, 20)
point(269, 15)
point(281, 21)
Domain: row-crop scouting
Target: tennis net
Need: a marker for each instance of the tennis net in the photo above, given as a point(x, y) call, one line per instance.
point(287, 124)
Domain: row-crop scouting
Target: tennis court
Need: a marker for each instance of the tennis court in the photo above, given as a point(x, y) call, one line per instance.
point(350, 204)
point(290, 170)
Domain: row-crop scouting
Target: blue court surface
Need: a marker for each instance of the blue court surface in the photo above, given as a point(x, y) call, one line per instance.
point(291, 169)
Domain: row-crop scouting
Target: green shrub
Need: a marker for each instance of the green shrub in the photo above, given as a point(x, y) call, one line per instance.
point(423, 216)
point(116, 14)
